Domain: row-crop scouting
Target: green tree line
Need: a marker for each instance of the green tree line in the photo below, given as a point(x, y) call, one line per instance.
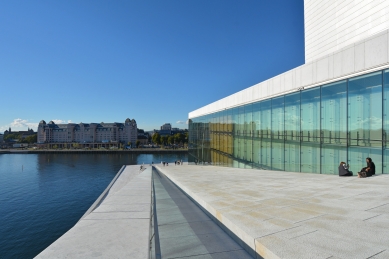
point(29, 139)
point(178, 138)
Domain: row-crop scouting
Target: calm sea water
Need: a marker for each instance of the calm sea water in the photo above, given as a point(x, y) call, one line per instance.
point(43, 195)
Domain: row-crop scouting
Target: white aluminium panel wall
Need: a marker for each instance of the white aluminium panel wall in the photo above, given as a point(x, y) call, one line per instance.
point(361, 57)
point(331, 25)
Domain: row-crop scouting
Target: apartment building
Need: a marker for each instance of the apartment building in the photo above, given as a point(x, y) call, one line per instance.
point(88, 132)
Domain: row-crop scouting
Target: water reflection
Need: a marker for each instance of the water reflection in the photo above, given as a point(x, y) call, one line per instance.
point(45, 198)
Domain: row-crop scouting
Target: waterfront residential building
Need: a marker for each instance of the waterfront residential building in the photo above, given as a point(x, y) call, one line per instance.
point(88, 132)
point(166, 126)
point(167, 130)
point(143, 137)
point(333, 108)
point(1, 138)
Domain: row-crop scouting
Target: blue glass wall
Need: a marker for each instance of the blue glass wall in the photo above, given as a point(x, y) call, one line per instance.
point(310, 131)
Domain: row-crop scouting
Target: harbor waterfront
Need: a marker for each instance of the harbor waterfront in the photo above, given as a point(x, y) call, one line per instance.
point(84, 151)
point(43, 195)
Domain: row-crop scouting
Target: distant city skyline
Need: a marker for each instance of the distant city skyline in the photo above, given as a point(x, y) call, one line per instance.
point(82, 61)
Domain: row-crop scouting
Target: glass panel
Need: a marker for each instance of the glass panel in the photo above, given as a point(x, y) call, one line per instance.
point(256, 120)
point(385, 169)
point(241, 134)
point(247, 119)
point(257, 152)
point(357, 158)
point(277, 118)
point(292, 156)
point(235, 126)
point(331, 157)
point(265, 124)
point(334, 113)
point(386, 107)
point(310, 157)
point(265, 129)
point(224, 122)
point(235, 120)
point(292, 132)
point(248, 152)
point(310, 115)
point(292, 116)
point(365, 110)
point(278, 133)
point(266, 154)
point(235, 164)
point(278, 154)
point(230, 132)
point(310, 128)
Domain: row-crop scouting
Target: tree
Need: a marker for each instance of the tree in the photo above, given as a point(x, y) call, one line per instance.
point(170, 140)
point(75, 145)
point(12, 136)
point(55, 147)
point(179, 138)
point(156, 138)
point(164, 140)
point(137, 143)
point(129, 143)
point(31, 139)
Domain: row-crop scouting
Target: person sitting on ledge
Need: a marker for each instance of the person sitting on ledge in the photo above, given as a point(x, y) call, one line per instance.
point(343, 170)
point(367, 171)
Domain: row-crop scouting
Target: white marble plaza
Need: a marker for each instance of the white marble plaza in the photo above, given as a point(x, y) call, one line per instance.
point(293, 215)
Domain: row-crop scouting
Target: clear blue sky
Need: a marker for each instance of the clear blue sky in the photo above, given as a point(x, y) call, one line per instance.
point(154, 61)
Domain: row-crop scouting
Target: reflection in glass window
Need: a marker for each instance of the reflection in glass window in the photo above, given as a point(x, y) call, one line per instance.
point(277, 127)
point(256, 134)
point(334, 113)
point(266, 134)
point(365, 109)
point(292, 132)
point(310, 115)
point(332, 155)
point(386, 106)
point(357, 158)
point(309, 131)
point(247, 143)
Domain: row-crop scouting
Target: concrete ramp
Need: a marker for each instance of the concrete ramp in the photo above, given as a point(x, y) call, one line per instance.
point(117, 228)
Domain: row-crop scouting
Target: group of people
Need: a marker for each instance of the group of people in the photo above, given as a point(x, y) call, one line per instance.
point(367, 171)
point(179, 162)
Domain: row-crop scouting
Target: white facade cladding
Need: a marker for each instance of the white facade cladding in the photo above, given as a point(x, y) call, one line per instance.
point(332, 25)
point(367, 55)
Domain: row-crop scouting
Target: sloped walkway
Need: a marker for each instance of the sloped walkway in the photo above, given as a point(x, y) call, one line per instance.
point(117, 228)
point(185, 231)
point(293, 215)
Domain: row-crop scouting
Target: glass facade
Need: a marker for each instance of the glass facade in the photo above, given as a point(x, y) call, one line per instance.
point(310, 131)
